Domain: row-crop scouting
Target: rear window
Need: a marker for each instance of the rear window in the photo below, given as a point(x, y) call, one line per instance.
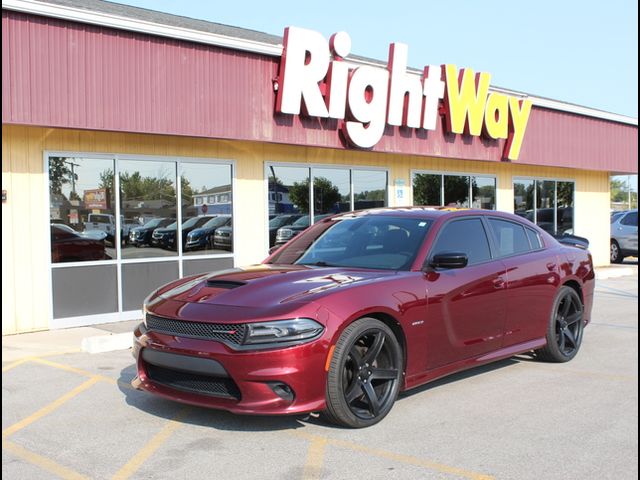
point(510, 237)
point(99, 218)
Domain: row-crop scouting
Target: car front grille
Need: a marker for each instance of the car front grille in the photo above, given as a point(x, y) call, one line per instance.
point(233, 334)
point(194, 382)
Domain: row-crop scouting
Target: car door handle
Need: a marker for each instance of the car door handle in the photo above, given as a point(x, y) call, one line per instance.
point(498, 282)
point(551, 266)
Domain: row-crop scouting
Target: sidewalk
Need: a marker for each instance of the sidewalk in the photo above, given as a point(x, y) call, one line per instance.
point(96, 338)
point(118, 336)
point(617, 270)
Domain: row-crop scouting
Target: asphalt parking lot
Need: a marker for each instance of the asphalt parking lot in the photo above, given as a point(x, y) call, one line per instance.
point(75, 416)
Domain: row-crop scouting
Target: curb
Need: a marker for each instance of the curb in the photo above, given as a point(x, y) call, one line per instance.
point(106, 343)
point(614, 272)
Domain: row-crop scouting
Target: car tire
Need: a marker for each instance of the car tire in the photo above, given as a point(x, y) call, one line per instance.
point(565, 327)
point(616, 254)
point(364, 375)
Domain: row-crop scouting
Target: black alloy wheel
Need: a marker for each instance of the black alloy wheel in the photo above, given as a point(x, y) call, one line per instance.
point(365, 374)
point(566, 326)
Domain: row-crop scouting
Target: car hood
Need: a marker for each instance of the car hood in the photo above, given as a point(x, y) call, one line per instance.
point(260, 286)
point(199, 231)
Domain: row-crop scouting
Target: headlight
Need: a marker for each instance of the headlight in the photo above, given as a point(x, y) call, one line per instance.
point(282, 331)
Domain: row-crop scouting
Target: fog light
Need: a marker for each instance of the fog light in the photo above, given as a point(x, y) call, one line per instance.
point(283, 390)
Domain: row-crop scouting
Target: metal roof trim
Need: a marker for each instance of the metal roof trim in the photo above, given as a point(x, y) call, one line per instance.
point(126, 23)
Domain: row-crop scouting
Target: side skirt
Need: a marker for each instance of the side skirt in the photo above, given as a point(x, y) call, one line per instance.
point(436, 373)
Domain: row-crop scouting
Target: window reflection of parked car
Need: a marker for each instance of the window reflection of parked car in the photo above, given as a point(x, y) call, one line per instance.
point(166, 237)
point(106, 222)
point(544, 218)
point(202, 237)
point(285, 234)
point(280, 221)
point(223, 238)
point(624, 236)
point(140, 236)
point(67, 245)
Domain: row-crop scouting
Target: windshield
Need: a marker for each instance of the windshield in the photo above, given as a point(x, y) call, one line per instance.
point(301, 222)
point(215, 222)
point(279, 221)
point(376, 242)
point(153, 223)
point(615, 216)
point(190, 222)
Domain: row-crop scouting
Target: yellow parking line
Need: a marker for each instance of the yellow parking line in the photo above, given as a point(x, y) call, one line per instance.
point(42, 462)
point(62, 366)
point(84, 373)
point(50, 354)
point(14, 364)
point(139, 458)
point(315, 458)
point(48, 409)
point(397, 457)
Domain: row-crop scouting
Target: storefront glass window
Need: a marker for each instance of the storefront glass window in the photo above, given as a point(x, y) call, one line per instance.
point(81, 209)
point(331, 191)
point(456, 191)
point(523, 198)
point(148, 205)
point(484, 192)
point(293, 183)
point(427, 189)
point(206, 208)
point(564, 211)
point(545, 202)
point(369, 189)
point(553, 200)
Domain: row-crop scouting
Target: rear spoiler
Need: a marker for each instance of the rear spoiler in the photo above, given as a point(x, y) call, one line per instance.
point(573, 240)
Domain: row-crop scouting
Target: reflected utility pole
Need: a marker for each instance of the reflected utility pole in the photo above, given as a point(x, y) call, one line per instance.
point(275, 189)
point(73, 175)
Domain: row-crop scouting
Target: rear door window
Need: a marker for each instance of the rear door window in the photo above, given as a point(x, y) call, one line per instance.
point(534, 239)
point(466, 236)
point(630, 219)
point(510, 237)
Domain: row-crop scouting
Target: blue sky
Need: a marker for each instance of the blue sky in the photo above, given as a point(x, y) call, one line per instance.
point(583, 52)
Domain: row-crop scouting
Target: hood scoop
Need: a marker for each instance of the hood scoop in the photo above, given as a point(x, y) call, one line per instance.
point(226, 284)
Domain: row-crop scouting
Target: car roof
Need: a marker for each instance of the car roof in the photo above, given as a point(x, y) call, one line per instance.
point(420, 212)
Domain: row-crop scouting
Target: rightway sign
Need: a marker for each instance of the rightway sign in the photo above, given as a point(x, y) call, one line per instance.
point(315, 79)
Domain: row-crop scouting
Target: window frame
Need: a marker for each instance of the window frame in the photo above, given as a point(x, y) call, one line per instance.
point(443, 173)
point(556, 180)
point(311, 166)
point(118, 262)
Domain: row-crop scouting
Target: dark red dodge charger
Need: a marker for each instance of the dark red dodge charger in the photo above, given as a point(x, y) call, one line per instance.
point(364, 305)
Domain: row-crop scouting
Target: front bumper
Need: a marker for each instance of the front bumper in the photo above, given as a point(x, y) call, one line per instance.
point(250, 382)
point(197, 244)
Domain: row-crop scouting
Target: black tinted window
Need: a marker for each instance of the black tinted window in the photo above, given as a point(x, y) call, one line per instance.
point(534, 239)
point(510, 237)
point(466, 236)
point(630, 219)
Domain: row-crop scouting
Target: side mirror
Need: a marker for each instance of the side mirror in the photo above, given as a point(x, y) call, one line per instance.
point(449, 260)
